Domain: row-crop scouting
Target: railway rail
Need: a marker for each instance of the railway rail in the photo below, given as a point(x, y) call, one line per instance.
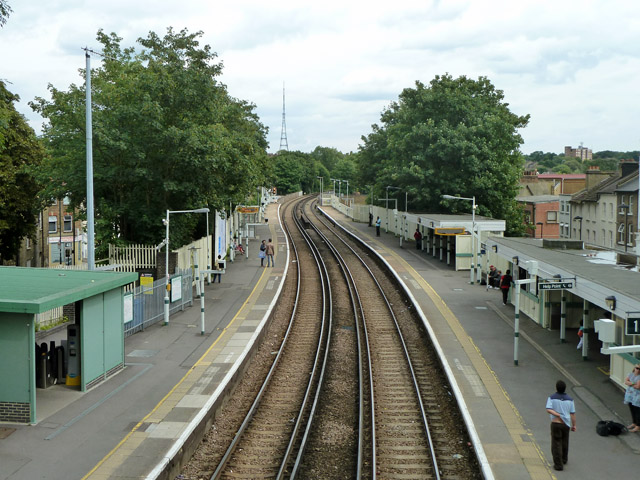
point(355, 390)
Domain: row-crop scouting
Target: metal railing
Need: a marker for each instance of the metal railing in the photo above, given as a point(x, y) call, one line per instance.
point(148, 303)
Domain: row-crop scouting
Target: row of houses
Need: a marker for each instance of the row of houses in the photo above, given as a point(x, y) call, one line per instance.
point(599, 208)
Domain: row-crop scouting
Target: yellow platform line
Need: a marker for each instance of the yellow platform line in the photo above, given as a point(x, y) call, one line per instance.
point(186, 375)
point(530, 452)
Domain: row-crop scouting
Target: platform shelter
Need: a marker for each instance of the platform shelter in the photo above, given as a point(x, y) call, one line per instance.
point(98, 298)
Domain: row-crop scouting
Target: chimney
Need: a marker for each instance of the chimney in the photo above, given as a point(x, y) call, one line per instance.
point(628, 166)
point(595, 176)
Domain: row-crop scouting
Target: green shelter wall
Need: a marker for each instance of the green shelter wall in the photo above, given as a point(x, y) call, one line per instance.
point(113, 329)
point(102, 333)
point(16, 357)
point(92, 342)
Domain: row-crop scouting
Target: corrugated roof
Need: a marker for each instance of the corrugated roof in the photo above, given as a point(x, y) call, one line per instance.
point(36, 290)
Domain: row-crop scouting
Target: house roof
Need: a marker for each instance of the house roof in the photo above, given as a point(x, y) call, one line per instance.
point(36, 290)
point(538, 198)
point(629, 183)
point(608, 185)
point(565, 176)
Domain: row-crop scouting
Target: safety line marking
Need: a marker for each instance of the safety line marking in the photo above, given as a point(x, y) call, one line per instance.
point(161, 402)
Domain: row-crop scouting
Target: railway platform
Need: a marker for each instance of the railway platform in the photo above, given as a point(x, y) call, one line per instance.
point(130, 426)
point(507, 402)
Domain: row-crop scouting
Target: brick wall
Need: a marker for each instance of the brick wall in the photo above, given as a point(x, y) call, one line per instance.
point(15, 412)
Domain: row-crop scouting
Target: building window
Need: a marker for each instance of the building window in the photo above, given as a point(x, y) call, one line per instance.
point(53, 224)
point(552, 216)
point(68, 223)
point(621, 233)
point(27, 243)
point(630, 235)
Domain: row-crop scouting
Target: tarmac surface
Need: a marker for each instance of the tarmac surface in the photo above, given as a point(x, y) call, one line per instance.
point(130, 426)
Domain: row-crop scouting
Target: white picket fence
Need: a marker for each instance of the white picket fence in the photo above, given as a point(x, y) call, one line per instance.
point(132, 257)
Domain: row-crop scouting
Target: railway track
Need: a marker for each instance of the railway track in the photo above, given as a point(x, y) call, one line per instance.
point(355, 391)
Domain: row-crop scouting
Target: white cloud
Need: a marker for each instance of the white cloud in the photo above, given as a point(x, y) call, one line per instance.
point(570, 64)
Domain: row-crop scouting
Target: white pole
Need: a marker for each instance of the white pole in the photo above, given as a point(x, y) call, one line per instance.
point(516, 325)
point(91, 254)
point(208, 254)
point(166, 266)
point(473, 239)
point(563, 317)
point(194, 254)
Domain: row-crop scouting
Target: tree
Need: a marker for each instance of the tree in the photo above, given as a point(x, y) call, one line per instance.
point(454, 136)
point(5, 11)
point(20, 155)
point(166, 135)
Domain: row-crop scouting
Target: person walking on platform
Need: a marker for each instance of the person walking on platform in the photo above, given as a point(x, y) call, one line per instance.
point(269, 251)
point(632, 397)
point(261, 254)
point(562, 411)
point(505, 285)
point(378, 222)
point(418, 237)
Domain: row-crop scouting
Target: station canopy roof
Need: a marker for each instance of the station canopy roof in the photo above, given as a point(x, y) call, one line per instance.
point(36, 290)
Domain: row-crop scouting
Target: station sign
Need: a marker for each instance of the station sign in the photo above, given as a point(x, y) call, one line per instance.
point(632, 326)
point(555, 285)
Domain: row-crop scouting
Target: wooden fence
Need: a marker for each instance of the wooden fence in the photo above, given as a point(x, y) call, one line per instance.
point(132, 257)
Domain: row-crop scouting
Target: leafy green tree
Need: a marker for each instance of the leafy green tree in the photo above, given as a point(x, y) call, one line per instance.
point(453, 136)
point(20, 155)
point(166, 135)
point(563, 168)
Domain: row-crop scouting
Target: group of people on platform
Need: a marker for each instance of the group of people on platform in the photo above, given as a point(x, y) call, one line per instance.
point(496, 280)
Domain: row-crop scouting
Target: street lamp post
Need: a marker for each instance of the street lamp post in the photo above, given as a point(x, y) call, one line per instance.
point(472, 273)
point(166, 266)
point(321, 189)
point(334, 180)
point(541, 229)
point(347, 182)
point(387, 205)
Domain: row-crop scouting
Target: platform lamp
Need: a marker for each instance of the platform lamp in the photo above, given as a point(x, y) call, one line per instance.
point(166, 240)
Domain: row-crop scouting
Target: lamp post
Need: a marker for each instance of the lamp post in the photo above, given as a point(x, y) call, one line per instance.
point(472, 274)
point(321, 185)
point(541, 229)
point(166, 258)
point(347, 182)
point(334, 180)
point(387, 205)
point(580, 219)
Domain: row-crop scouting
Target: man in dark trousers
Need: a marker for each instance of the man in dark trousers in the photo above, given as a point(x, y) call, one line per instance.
point(505, 285)
point(418, 237)
point(378, 222)
point(370, 219)
point(562, 411)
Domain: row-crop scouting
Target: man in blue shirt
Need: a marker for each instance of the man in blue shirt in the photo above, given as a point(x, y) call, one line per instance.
point(562, 411)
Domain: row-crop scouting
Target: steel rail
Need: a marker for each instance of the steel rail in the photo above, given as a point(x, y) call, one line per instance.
point(326, 321)
point(238, 435)
point(404, 346)
point(356, 306)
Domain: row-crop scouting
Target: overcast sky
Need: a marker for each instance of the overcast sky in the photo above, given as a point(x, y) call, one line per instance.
point(574, 66)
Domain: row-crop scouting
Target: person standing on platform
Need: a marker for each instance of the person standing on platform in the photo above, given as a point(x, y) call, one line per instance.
point(261, 254)
point(217, 267)
point(632, 397)
point(378, 222)
point(418, 237)
point(269, 252)
point(370, 219)
point(505, 285)
point(562, 411)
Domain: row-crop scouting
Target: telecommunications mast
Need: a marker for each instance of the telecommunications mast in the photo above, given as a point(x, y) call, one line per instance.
point(284, 144)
